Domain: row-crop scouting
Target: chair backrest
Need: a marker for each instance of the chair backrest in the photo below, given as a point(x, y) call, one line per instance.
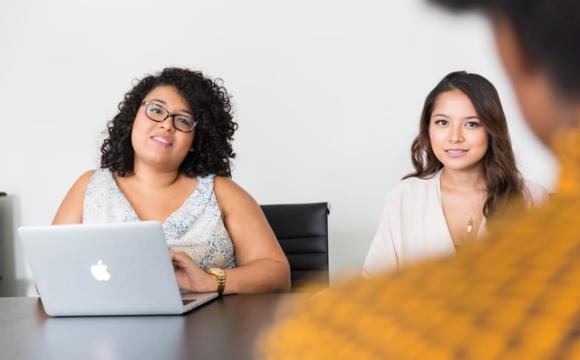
point(302, 230)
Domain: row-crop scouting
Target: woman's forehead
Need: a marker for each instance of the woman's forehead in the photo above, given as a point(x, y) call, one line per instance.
point(453, 103)
point(169, 95)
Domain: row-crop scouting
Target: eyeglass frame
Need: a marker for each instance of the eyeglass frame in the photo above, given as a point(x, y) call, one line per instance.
point(169, 114)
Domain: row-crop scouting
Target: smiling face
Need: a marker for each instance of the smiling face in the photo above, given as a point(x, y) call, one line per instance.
point(159, 143)
point(458, 139)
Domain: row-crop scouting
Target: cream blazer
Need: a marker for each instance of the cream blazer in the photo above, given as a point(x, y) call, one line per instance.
point(413, 225)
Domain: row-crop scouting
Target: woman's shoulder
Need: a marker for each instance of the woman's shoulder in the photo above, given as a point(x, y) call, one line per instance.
point(98, 178)
point(228, 191)
point(415, 181)
point(534, 193)
point(225, 184)
point(84, 181)
point(71, 208)
point(85, 178)
point(414, 185)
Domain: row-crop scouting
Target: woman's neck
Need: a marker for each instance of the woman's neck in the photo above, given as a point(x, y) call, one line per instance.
point(468, 180)
point(149, 176)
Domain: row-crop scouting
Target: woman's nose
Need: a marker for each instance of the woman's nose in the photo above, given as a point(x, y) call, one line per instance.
point(455, 134)
point(167, 124)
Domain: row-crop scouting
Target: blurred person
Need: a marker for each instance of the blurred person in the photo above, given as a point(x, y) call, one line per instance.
point(167, 158)
point(465, 173)
point(515, 295)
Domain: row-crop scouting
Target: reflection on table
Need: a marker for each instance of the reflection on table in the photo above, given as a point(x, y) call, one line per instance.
point(226, 328)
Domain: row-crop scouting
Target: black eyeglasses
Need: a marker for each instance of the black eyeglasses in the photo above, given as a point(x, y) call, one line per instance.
point(158, 113)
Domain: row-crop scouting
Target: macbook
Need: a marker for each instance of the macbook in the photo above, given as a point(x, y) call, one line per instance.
point(105, 269)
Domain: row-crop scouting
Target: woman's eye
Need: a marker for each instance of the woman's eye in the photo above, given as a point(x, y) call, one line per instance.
point(440, 122)
point(155, 110)
point(184, 120)
point(471, 124)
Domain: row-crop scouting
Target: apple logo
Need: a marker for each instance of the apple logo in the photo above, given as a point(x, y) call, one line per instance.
point(99, 271)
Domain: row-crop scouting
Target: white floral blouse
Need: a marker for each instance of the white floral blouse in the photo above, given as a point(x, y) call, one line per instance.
point(195, 228)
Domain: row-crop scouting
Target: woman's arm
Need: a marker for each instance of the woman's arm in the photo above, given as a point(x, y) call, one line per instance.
point(71, 208)
point(262, 265)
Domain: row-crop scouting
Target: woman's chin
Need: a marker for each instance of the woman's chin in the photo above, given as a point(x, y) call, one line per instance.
point(461, 165)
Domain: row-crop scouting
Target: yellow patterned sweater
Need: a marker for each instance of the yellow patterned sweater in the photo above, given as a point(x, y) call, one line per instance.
point(515, 295)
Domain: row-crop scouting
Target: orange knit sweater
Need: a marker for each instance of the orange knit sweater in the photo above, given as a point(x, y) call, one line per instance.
point(514, 295)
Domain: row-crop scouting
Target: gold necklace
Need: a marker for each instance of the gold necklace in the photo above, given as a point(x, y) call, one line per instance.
point(470, 222)
point(470, 225)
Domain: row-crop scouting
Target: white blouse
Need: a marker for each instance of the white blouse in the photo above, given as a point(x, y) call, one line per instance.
point(195, 228)
point(413, 225)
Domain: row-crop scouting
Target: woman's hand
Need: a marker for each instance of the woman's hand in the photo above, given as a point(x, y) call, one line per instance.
point(189, 276)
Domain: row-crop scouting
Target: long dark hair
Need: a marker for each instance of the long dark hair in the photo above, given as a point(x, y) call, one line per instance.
point(210, 105)
point(502, 177)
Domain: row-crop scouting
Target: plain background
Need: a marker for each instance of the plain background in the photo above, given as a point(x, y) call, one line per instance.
point(327, 95)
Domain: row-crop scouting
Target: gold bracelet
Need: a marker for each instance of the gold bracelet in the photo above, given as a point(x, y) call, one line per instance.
point(220, 276)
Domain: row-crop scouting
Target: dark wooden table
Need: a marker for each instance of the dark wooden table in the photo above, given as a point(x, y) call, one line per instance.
point(226, 328)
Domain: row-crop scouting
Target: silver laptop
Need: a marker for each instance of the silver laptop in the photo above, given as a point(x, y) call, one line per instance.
point(105, 269)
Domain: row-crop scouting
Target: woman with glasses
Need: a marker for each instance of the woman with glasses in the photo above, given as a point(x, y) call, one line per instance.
point(167, 158)
point(465, 173)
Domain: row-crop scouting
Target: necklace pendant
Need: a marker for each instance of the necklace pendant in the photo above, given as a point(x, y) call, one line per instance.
point(469, 226)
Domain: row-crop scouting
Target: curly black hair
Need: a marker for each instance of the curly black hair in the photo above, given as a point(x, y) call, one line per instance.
point(211, 108)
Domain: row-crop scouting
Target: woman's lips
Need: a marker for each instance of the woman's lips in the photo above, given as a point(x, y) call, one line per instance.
point(162, 140)
point(455, 152)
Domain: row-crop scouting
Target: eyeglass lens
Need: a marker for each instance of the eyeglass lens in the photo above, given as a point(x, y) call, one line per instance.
point(158, 113)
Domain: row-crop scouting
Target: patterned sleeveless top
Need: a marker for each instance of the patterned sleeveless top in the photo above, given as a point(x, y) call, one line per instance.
point(195, 228)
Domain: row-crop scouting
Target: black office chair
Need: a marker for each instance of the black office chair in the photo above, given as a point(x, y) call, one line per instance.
point(302, 230)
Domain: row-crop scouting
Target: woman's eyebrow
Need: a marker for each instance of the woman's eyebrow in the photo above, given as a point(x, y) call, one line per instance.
point(470, 117)
point(163, 102)
point(158, 100)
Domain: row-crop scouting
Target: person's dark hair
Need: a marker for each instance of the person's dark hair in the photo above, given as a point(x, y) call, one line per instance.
point(211, 108)
point(547, 31)
point(502, 177)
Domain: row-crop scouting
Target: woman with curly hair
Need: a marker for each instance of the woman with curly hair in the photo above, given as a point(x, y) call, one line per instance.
point(465, 173)
point(167, 158)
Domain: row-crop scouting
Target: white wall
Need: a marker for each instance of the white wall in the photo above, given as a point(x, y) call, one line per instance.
point(327, 94)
